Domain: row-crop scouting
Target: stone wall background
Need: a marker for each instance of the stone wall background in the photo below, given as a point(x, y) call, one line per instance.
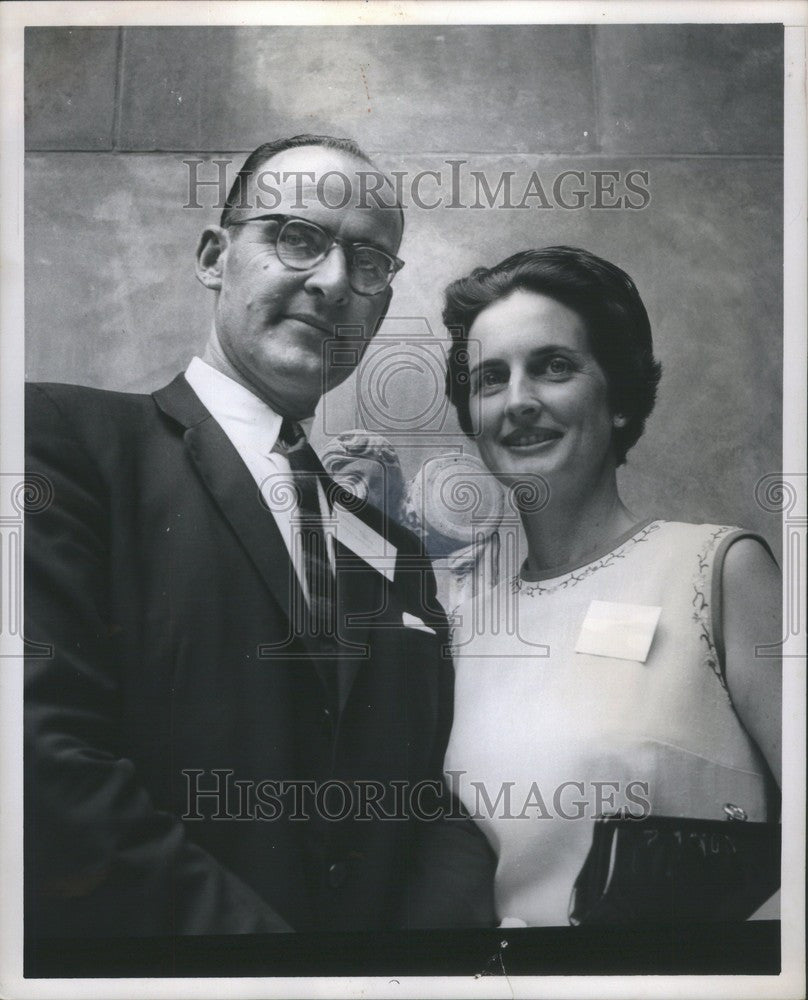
point(110, 294)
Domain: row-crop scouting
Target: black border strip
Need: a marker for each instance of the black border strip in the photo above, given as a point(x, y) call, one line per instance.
point(751, 948)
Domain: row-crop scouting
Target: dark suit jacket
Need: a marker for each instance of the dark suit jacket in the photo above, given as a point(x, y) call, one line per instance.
point(162, 585)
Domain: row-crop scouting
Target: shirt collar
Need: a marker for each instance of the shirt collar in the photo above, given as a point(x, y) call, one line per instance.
point(248, 421)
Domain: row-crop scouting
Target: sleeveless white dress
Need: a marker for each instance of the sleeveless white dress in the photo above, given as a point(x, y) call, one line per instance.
point(545, 738)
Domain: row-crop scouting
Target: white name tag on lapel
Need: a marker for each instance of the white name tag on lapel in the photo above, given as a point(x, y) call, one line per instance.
point(624, 631)
point(364, 542)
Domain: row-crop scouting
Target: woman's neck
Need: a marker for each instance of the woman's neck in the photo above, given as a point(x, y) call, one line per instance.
point(567, 531)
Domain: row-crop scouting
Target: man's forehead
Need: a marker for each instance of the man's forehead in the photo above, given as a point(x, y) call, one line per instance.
point(315, 158)
point(313, 168)
point(325, 185)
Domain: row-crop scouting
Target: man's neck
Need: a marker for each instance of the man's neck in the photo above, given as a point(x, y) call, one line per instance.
point(214, 356)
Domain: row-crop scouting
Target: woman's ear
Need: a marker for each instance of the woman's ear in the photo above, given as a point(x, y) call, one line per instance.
point(210, 256)
point(618, 420)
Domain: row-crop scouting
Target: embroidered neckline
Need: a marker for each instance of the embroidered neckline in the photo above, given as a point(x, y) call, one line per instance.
point(535, 588)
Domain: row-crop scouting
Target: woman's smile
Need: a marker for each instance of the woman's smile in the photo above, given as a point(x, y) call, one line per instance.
point(538, 396)
point(529, 439)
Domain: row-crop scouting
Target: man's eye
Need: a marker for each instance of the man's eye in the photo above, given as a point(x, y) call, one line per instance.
point(368, 263)
point(296, 240)
point(301, 242)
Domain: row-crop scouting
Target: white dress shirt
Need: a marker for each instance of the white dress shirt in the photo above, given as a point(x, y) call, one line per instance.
point(253, 427)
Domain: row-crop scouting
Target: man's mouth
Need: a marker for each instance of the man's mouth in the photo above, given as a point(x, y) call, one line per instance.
point(529, 436)
point(314, 321)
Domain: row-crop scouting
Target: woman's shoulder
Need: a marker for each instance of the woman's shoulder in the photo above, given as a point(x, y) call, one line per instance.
point(695, 529)
point(711, 551)
point(711, 537)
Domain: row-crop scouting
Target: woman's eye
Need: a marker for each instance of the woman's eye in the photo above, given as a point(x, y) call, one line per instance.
point(490, 379)
point(486, 380)
point(559, 366)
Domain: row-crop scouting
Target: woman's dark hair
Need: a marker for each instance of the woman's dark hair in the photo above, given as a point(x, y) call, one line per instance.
point(603, 296)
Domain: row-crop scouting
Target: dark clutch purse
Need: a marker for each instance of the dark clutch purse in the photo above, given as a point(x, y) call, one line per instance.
point(665, 869)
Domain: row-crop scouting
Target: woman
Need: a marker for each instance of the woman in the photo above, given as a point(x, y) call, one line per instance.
point(616, 669)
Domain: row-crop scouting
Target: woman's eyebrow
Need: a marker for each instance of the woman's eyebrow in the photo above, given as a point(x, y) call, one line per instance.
point(546, 349)
point(487, 363)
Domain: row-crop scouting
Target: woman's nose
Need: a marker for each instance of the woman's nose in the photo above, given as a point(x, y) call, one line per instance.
point(523, 400)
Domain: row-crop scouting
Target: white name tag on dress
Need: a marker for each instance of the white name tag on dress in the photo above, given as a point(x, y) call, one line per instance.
point(364, 542)
point(624, 631)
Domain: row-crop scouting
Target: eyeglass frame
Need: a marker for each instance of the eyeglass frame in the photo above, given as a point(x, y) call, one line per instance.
point(349, 246)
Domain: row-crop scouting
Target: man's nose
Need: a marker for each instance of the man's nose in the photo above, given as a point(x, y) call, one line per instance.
point(330, 278)
point(523, 401)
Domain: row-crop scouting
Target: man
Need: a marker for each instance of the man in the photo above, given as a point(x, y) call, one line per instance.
point(195, 735)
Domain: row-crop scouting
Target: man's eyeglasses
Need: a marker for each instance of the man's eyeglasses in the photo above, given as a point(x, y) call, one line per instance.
point(300, 245)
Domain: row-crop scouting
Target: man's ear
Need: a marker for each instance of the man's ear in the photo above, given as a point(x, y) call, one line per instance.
point(618, 420)
point(210, 256)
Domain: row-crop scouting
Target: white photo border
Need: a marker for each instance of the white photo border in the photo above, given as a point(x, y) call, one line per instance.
point(13, 19)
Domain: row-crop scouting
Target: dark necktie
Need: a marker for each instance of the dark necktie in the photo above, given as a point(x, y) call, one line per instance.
point(316, 620)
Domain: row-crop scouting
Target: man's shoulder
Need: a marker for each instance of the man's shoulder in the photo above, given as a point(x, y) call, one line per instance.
point(58, 413)
point(85, 404)
point(68, 395)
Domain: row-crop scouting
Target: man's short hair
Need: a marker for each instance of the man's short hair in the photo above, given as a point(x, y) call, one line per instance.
point(603, 296)
point(257, 157)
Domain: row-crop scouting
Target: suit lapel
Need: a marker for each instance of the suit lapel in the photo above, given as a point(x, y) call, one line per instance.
point(233, 488)
point(359, 587)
